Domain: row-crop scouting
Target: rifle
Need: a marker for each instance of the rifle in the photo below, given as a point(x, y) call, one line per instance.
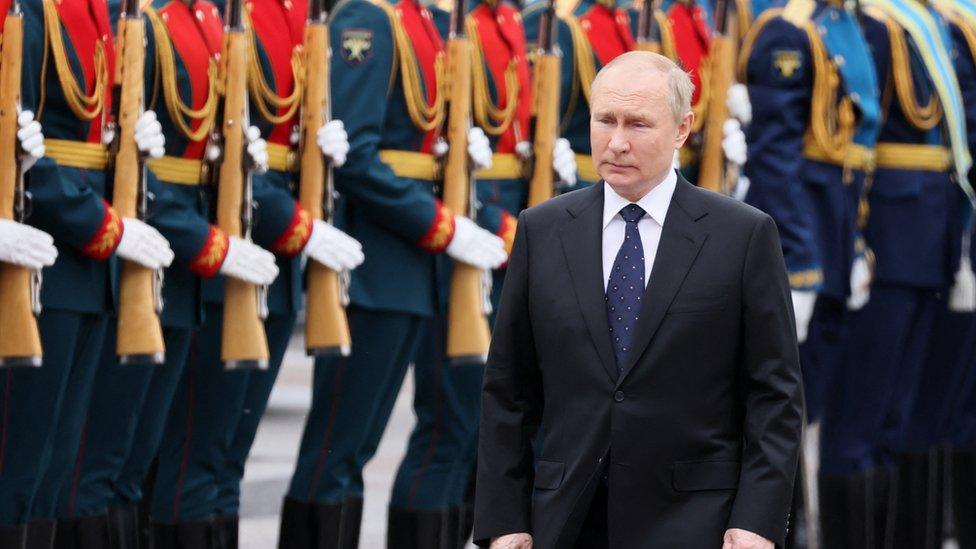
point(140, 335)
point(468, 336)
point(326, 326)
point(648, 32)
point(715, 173)
point(546, 103)
point(20, 341)
point(243, 341)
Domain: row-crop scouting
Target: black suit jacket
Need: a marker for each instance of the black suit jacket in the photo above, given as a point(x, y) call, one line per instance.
point(701, 430)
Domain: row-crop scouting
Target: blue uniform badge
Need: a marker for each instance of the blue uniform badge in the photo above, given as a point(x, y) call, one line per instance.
point(357, 46)
point(787, 63)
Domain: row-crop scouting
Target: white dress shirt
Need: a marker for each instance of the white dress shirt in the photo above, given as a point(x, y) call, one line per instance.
point(655, 203)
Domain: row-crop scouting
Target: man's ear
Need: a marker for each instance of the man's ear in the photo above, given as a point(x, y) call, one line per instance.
point(684, 129)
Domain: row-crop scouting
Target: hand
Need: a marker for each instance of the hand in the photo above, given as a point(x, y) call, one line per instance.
point(257, 150)
point(334, 142)
point(564, 161)
point(31, 140)
point(149, 136)
point(26, 246)
point(803, 303)
point(143, 244)
point(736, 538)
point(479, 149)
point(737, 101)
point(333, 248)
point(512, 541)
point(475, 246)
point(249, 262)
point(734, 142)
point(860, 284)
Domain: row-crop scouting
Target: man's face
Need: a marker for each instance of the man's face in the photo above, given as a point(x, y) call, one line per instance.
point(633, 133)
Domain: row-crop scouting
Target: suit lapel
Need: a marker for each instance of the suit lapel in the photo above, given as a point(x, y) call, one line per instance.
point(582, 239)
point(681, 240)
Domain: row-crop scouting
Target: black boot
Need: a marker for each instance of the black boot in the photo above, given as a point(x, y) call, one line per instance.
point(225, 529)
point(40, 534)
point(123, 523)
point(466, 524)
point(92, 532)
point(309, 525)
point(450, 527)
point(964, 497)
point(850, 511)
point(195, 535)
point(13, 536)
point(401, 529)
point(64, 533)
point(349, 524)
point(918, 519)
point(163, 536)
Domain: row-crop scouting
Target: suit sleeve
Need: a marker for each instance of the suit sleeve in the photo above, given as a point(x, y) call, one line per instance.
point(360, 91)
point(511, 408)
point(772, 391)
point(780, 93)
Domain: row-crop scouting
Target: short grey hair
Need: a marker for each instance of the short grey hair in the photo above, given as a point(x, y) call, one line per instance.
point(680, 87)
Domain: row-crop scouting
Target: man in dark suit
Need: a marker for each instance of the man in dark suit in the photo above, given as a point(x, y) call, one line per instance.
point(671, 409)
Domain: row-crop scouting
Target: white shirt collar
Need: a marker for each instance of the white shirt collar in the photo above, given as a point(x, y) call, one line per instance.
point(655, 203)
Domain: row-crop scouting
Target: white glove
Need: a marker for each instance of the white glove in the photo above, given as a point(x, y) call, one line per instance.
point(143, 244)
point(475, 246)
point(803, 303)
point(479, 148)
point(249, 262)
point(257, 149)
point(734, 141)
point(564, 161)
point(334, 142)
point(149, 136)
point(31, 139)
point(860, 284)
point(333, 248)
point(737, 101)
point(26, 246)
point(741, 190)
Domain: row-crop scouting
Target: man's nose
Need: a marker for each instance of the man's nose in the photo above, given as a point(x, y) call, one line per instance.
point(618, 142)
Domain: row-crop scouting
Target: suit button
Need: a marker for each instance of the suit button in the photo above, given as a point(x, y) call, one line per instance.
point(618, 396)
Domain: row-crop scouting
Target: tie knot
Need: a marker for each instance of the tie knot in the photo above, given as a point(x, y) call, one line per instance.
point(632, 213)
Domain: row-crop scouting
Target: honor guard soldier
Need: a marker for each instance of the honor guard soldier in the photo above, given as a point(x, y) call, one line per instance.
point(67, 75)
point(389, 86)
point(130, 402)
point(431, 486)
point(215, 412)
point(917, 199)
point(944, 407)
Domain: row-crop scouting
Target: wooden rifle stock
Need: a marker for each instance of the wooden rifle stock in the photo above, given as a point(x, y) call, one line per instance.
point(140, 335)
point(243, 341)
point(713, 173)
point(20, 341)
point(326, 325)
point(546, 98)
point(468, 335)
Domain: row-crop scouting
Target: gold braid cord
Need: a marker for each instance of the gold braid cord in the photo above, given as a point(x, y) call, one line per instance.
point(700, 109)
point(831, 125)
point(922, 117)
point(85, 107)
point(489, 117)
point(179, 111)
point(583, 53)
point(263, 95)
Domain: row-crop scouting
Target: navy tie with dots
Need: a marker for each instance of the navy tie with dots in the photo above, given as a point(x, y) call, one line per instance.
point(626, 285)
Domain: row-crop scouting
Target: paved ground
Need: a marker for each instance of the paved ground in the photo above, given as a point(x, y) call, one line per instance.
point(273, 456)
